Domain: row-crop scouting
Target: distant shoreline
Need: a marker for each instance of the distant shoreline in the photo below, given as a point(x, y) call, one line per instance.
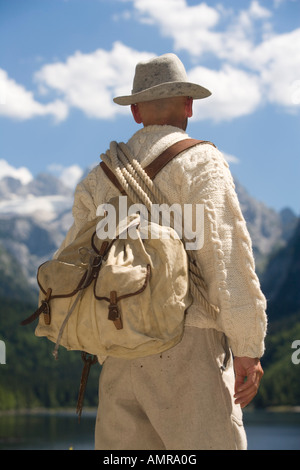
point(92, 411)
point(49, 411)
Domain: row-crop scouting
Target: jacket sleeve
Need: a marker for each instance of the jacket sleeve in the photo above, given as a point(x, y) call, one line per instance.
point(226, 257)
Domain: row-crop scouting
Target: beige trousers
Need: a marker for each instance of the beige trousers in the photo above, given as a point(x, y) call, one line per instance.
point(178, 400)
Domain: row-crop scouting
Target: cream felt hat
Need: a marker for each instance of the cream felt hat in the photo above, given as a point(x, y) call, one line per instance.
point(161, 77)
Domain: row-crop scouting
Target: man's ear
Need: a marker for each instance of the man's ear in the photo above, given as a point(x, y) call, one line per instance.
point(136, 113)
point(189, 107)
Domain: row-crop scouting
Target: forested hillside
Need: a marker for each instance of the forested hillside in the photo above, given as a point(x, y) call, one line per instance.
point(281, 284)
point(31, 376)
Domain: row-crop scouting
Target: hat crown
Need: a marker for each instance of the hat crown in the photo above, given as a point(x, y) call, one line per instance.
point(164, 69)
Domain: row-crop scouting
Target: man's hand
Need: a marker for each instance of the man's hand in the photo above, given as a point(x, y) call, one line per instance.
point(250, 369)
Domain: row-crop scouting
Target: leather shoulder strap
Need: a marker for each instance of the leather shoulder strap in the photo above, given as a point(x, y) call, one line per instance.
point(112, 177)
point(164, 158)
point(159, 162)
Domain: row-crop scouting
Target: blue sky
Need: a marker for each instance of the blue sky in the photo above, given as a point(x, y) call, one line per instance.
point(62, 62)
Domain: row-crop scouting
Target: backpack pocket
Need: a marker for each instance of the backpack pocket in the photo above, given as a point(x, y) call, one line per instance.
point(64, 279)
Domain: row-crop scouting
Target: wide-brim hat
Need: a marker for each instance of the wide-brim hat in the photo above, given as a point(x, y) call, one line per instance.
point(161, 77)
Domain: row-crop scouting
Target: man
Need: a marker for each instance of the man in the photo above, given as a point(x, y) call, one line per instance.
point(192, 395)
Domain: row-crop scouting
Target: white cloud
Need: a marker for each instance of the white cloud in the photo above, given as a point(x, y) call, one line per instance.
point(200, 29)
point(256, 65)
point(22, 173)
point(18, 103)
point(188, 26)
point(258, 12)
point(90, 81)
point(277, 60)
point(230, 158)
point(295, 92)
point(176, 18)
point(69, 176)
point(44, 208)
point(235, 93)
point(277, 3)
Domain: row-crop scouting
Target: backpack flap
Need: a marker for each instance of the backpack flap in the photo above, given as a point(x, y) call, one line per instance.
point(64, 279)
point(121, 278)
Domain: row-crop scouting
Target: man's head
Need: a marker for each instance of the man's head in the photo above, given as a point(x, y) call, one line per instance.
point(167, 111)
point(161, 91)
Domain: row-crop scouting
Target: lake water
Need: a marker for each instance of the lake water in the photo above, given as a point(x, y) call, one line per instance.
point(61, 431)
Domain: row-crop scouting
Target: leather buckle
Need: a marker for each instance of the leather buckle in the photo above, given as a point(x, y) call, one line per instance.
point(114, 312)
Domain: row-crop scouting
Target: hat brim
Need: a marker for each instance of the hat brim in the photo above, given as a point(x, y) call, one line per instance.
point(165, 90)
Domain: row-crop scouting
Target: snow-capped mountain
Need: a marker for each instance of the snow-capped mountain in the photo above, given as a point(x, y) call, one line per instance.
point(43, 198)
point(34, 218)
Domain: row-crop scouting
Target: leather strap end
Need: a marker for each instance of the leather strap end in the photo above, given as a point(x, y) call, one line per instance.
point(34, 316)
